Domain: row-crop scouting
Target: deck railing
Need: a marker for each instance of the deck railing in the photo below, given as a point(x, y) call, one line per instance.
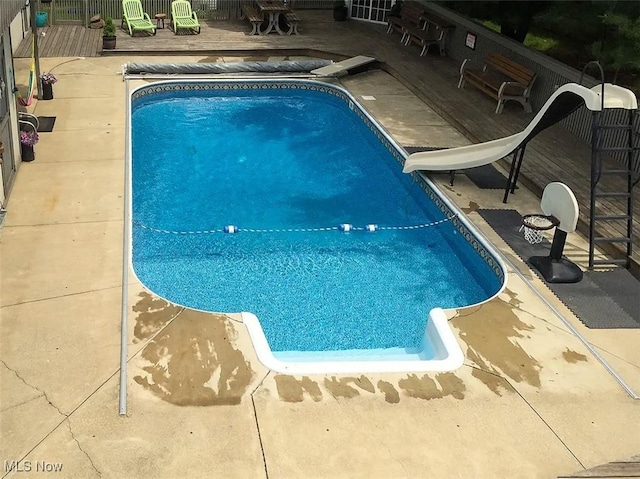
point(551, 74)
point(80, 11)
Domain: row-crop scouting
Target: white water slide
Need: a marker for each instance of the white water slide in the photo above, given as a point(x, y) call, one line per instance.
point(564, 101)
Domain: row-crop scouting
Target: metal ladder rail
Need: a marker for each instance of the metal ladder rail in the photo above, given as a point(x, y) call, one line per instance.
point(597, 172)
point(29, 117)
point(596, 175)
point(27, 125)
point(635, 161)
point(595, 142)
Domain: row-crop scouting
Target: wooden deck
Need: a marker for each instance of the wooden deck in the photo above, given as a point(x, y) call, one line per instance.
point(554, 155)
point(64, 41)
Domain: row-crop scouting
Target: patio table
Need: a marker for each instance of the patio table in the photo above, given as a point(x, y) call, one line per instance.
point(274, 8)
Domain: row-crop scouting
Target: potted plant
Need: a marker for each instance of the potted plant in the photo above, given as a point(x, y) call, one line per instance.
point(109, 35)
point(47, 79)
point(340, 10)
point(28, 139)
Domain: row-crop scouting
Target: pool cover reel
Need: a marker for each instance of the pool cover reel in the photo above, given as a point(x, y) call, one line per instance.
point(287, 66)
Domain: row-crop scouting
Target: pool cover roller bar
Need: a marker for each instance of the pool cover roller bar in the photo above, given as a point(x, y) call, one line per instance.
point(287, 66)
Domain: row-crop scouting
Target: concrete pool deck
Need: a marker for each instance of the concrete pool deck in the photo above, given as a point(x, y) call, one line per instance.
point(530, 401)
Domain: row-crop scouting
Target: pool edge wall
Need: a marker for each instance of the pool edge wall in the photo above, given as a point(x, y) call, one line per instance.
point(447, 354)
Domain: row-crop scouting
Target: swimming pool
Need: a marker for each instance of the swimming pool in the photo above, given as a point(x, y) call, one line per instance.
point(338, 261)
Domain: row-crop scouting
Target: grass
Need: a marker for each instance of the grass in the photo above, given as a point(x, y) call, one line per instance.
point(572, 55)
point(540, 43)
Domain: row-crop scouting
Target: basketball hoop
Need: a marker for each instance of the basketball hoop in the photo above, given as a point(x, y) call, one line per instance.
point(533, 225)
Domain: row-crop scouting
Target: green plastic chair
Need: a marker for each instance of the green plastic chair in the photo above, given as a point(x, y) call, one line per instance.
point(134, 17)
point(183, 17)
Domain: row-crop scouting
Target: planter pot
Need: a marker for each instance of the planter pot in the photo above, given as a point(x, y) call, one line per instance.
point(47, 91)
point(41, 19)
point(27, 153)
point(108, 43)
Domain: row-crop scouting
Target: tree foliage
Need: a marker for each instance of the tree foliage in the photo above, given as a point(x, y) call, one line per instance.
point(514, 17)
point(621, 43)
point(606, 30)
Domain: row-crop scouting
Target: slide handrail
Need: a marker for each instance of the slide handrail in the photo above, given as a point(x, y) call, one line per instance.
point(597, 63)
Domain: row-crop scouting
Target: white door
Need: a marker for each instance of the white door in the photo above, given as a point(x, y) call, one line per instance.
point(371, 10)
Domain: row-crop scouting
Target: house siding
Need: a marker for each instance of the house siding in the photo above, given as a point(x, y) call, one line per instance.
point(8, 10)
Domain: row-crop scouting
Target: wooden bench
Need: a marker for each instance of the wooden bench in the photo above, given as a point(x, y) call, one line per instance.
point(434, 33)
point(292, 21)
point(500, 78)
point(254, 16)
point(411, 16)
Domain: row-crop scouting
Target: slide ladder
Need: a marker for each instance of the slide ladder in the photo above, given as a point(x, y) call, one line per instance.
point(607, 228)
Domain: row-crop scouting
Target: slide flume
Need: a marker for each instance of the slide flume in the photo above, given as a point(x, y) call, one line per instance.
point(564, 101)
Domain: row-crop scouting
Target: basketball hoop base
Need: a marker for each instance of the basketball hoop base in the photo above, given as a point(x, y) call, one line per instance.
point(557, 270)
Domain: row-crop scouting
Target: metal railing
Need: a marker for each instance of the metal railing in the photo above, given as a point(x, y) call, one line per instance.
point(79, 12)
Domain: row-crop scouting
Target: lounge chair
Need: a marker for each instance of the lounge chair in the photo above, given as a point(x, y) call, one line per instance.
point(134, 17)
point(183, 17)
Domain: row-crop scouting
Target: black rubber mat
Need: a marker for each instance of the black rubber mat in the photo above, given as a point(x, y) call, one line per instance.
point(487, 177)
point(484, 177)
point(46, 123)
point(507, 224)
point(602, 300)
point(622, 286)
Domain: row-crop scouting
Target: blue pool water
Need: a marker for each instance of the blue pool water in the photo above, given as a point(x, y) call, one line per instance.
point(282, 159)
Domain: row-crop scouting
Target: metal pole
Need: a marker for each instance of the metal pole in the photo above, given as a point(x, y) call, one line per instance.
point(36, 54)
point(595, 144)
point(514, 171)
point(518, 166)
point(630, 152)
point(125, 264)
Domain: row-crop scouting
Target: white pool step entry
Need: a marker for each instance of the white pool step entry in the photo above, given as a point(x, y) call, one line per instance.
point(343, 67)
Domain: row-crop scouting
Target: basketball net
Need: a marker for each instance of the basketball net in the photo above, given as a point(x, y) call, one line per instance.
point(534, 225)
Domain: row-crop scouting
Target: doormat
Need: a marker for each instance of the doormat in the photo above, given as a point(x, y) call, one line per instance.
point(45, 124)
point(485, 177)
point(602, 300)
